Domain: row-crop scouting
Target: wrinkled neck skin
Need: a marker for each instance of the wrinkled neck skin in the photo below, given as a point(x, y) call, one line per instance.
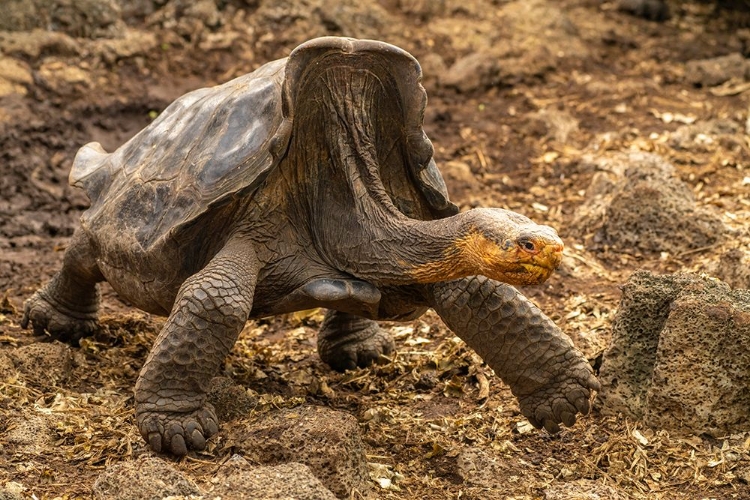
point(333, 168)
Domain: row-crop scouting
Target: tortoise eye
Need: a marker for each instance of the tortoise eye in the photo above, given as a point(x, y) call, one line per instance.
point(527, 245)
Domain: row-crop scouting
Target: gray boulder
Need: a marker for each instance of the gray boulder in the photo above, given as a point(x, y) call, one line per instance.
point(327, 441)
point(43, 364)
point(637, 204)
point(151, 478)
point(717, 70)
point(148, 478)
point(237, 479)
point(77, 18)
point(680, 355)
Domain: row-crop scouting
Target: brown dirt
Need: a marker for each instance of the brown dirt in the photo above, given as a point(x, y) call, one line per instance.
point(520, 92)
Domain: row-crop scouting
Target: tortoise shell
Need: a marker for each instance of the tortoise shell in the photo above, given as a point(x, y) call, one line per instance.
point(215, 144)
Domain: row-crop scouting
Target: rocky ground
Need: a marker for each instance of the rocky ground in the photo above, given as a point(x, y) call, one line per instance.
point(629, 136)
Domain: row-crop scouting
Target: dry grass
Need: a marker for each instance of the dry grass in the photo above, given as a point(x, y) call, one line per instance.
point(420, 414)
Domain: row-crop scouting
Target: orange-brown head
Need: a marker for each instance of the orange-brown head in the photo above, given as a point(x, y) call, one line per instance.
point(511, 248)
point(493, 242)
point(499, 244)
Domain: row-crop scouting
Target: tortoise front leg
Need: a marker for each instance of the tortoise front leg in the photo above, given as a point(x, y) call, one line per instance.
point(550, 377)
point(209, 312)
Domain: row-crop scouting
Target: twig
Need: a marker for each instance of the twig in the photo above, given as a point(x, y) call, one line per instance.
point(696, 250)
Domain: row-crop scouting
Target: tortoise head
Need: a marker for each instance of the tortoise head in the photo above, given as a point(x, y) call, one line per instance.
point(509, 247)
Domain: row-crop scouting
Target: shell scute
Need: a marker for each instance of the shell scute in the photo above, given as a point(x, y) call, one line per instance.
point(204, 147)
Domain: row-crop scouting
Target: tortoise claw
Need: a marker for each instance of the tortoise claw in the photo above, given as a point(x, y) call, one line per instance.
point(560, 401)
point(47, 316)
point(176, 432)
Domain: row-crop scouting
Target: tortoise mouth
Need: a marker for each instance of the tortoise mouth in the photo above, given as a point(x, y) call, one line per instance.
point(526, 274)
point(530, 268)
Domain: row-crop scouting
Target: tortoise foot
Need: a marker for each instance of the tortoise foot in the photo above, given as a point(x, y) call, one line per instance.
point(178, 432)
point(357, 343)
point(60, 322)
point(559, 401)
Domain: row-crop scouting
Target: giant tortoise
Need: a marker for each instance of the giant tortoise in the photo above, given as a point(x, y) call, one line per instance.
point(307, 183)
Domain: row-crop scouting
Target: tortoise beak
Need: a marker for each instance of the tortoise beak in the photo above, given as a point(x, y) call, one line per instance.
point(552, 255)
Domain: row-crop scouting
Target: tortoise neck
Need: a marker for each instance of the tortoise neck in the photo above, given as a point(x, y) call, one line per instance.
point(402, 251)
point(344, 132)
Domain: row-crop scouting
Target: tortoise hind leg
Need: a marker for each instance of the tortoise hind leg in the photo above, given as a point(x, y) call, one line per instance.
point(66, 307)
point(346, 341)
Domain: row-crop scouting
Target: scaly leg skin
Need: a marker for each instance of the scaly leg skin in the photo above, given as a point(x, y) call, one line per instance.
point(209, 312)
point(550, 377)
point(346, 341)
point(66, 307)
